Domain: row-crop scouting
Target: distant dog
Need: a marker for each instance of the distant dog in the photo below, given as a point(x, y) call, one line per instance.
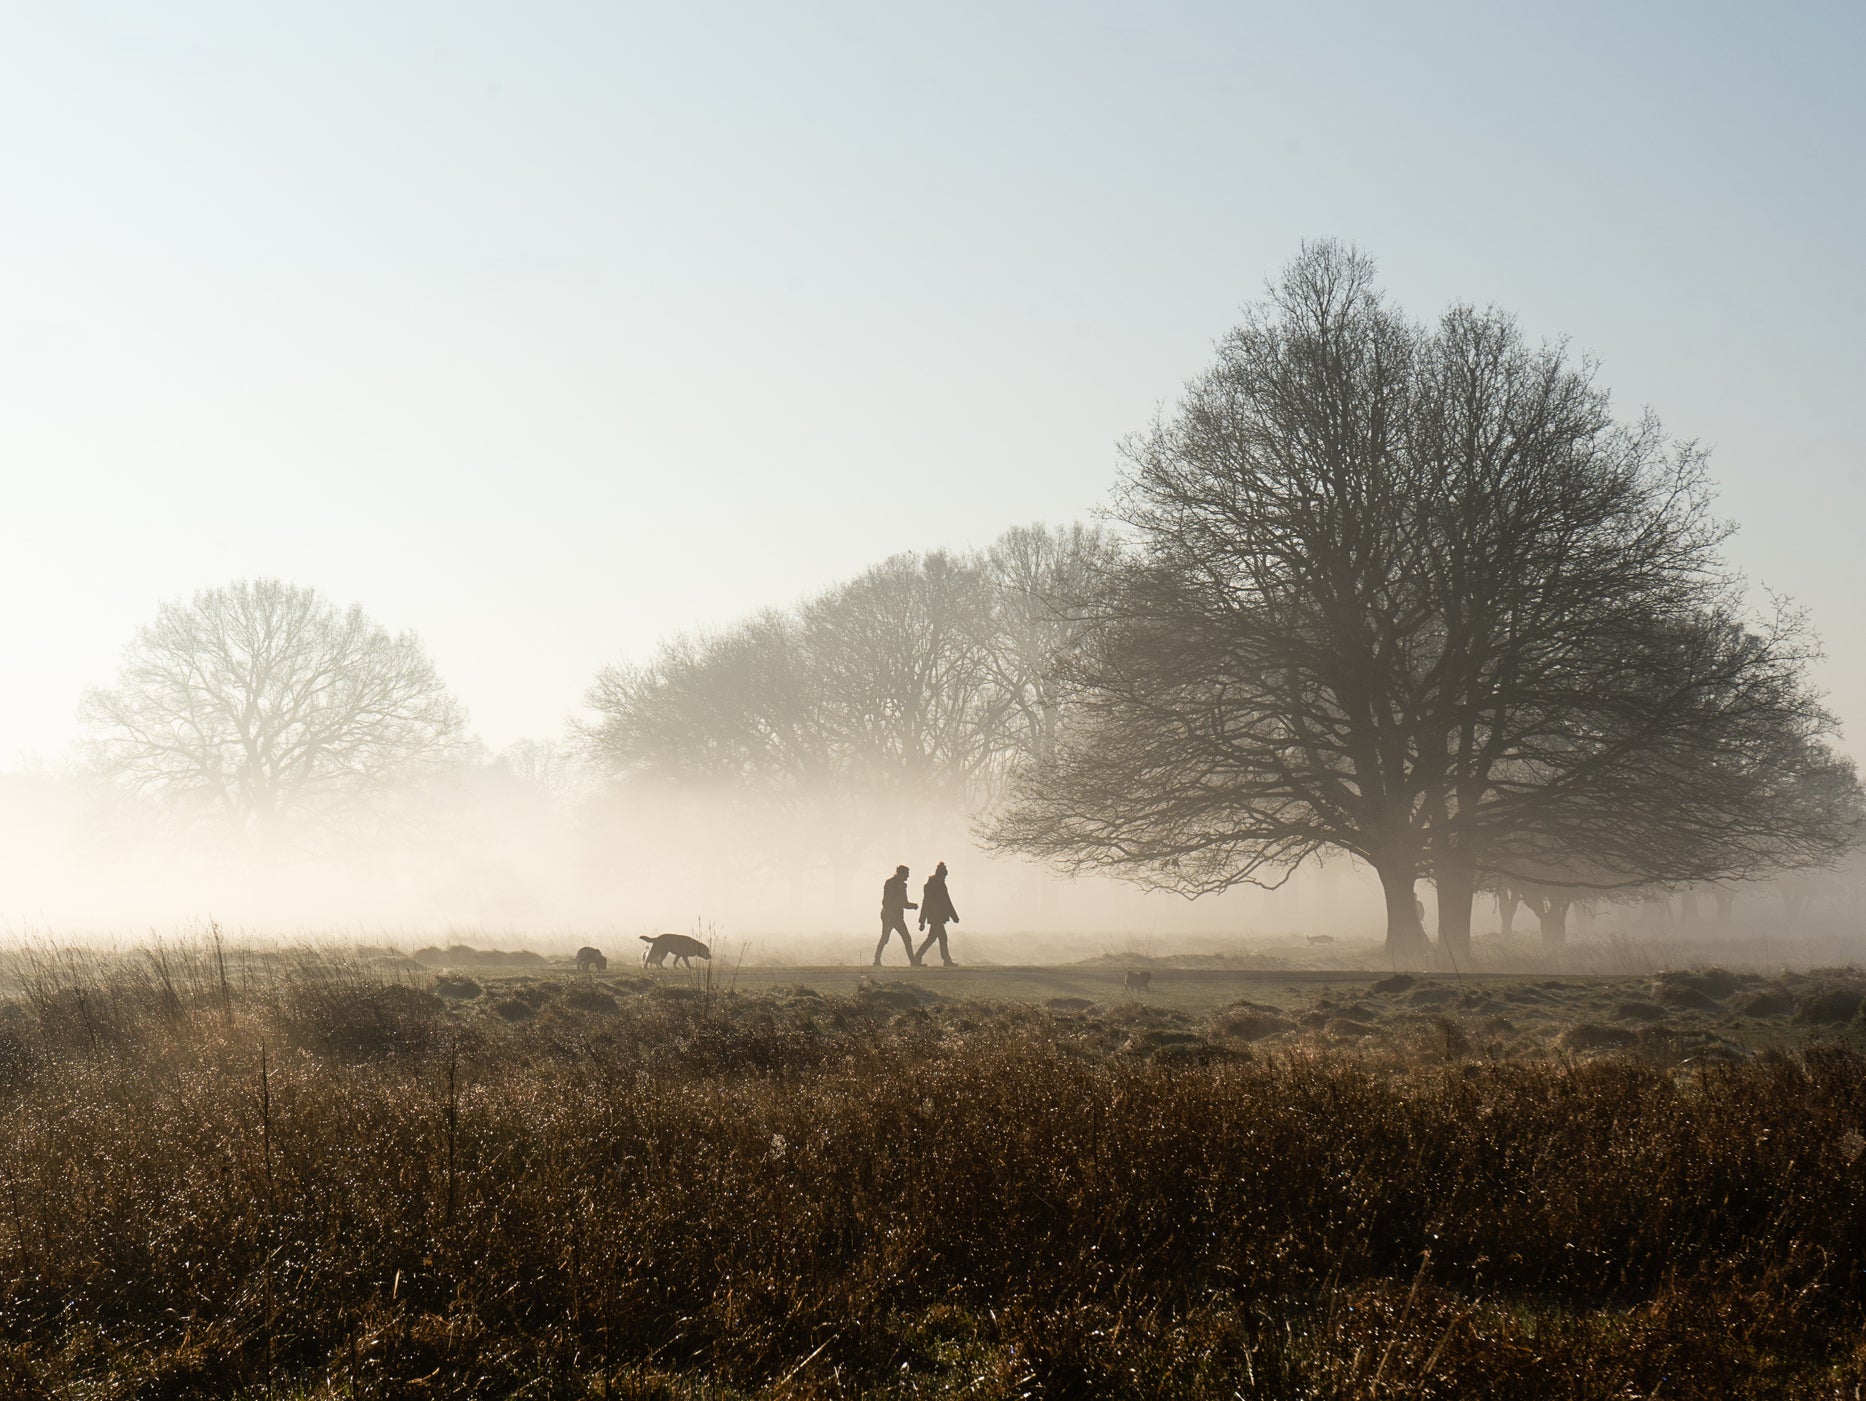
point(1138, 982)
point(683, 948)
point(588, 958)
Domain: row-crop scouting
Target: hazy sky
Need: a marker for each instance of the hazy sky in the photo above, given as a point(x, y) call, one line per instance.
point(549, 330)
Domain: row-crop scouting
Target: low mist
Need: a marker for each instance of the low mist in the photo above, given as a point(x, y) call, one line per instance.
point(493, 857)
point(489, 854)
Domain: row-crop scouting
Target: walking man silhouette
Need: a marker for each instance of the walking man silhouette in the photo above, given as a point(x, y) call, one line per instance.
point(894, 908)
point(936, 909)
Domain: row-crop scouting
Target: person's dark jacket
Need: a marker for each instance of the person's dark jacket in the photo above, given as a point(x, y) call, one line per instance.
point(894, 901)
point(935, 904)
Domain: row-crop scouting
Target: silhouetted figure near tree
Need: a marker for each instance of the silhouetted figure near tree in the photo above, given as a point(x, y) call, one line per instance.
point(936, 910)
point(894, 908)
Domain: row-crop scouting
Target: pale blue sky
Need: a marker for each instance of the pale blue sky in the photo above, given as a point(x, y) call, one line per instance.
point(549, 330)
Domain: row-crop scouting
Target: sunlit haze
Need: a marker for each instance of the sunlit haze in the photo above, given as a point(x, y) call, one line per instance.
point(552, 332)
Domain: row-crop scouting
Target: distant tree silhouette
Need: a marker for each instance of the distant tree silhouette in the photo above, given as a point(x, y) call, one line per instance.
point(901, 680)
point(900, 697)
point(259, 703)
point(1043, 581)
point(738, 708)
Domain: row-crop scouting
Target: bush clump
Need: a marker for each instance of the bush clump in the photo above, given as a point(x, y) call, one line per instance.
point(590, 999)
point(1589, 1036)
point(1250, 1024)
point(359, 1021)
point(1831, 1004)
point(1768, 1003)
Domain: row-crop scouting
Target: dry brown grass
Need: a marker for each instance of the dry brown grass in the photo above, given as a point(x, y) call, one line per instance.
point(307, 1177)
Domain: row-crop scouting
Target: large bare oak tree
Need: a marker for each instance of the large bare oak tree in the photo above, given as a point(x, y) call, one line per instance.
point(1416, 595)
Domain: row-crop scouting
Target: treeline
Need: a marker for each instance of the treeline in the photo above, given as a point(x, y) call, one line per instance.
point(1406, 592)
point(1409, 593)
point(909, 693)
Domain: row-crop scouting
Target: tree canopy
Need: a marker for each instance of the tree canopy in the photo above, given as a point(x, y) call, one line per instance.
point(1415, 594)
point(908, 690)
point(259, 704)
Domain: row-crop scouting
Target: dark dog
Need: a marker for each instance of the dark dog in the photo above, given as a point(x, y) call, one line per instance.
point(588, 958)
point(1138, 982)
point(683, 948)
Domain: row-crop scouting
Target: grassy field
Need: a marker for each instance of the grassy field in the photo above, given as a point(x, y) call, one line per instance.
point(1713, 1011)
point(321, 1174)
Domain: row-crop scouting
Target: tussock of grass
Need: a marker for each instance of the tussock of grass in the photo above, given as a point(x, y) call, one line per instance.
point(304, 1177)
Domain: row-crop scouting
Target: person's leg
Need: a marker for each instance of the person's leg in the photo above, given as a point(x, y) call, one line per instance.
point(945, 954)
point(925, 944)
point(882, 947)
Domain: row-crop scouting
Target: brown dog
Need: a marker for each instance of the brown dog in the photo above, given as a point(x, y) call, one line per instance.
point(588, 958)
point(1138, 982)
point(682, 947)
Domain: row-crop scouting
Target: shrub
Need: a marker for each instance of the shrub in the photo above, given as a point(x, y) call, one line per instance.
point(589, 999)
point(1830, 1004)
point(1586, 1036)
point(357, 1020)
point(1765, 1004)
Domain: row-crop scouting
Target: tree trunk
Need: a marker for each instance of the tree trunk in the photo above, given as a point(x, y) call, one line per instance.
point(1406, 941)
point(1688, 908)
point(1725, 899)
point(1506, 911)
point(1553, 915)
point(1456, 884)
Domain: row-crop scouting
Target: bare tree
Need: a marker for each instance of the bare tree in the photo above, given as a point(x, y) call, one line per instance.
point(897, 659)
point(908, 685)
point(1605, 711)
point(876, 689)
point(1247, 700)
point(740, 709)
point(1418, 596)
point(1696, 757)
point(1042, 581)
point(818, 732)
point(889, 708)
point(1550, 904)
point(259, 703)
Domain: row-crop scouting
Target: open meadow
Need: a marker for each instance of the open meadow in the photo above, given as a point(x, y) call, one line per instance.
point(1312, 552)
point(321, 1173)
